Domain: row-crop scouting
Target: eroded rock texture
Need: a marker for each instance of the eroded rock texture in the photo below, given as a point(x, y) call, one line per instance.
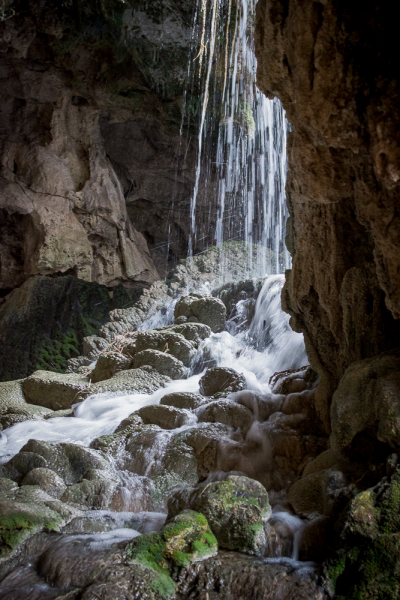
point(91, 162)
point(89, 137)
point(333, 65)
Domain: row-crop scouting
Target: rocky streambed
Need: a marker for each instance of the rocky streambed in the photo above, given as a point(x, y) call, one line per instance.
point(185, 460)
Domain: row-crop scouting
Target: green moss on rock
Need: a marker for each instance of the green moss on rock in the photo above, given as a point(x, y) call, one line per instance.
point(184, 540)
point(43, 323)
point(366, 564)
point(236, 510)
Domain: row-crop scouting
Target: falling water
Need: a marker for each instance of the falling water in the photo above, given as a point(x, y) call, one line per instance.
point(241, 167)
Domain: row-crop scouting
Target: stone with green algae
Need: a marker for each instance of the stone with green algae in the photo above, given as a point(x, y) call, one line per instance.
point(365, 563)
point(236, 508)
point(184, 540)
point(25, 511)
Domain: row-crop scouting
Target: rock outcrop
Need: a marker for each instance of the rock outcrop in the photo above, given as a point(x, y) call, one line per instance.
point(333, 67)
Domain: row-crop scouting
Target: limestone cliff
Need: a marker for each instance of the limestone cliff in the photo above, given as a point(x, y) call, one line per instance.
point(89, 138)
point(333, 65)
point(92, 178)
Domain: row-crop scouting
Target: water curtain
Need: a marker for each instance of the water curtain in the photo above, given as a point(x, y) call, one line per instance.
point(239, 191)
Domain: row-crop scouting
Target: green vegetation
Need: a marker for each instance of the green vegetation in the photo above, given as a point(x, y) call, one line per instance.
point(184, 540)
point(366, 565)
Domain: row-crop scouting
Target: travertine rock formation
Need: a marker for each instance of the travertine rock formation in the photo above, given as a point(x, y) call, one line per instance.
point(90, 140)
point(333, 65)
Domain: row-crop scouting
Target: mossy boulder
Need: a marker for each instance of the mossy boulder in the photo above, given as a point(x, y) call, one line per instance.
point(166, 417)
point(366, 560)
point(221, 380)
point(25, 511)
point(163, 363)
point(205, 309)
point(54, 390)
point(184, 540)
point(185, 400)
point(237, 510)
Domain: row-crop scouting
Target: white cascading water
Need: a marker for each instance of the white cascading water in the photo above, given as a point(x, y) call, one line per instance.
point(268, 346)
point(246, 184)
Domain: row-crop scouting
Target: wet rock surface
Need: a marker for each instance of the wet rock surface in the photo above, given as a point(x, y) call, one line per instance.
point(332, 67)
point(236, 509)
point(221, 380)
point(203, 309)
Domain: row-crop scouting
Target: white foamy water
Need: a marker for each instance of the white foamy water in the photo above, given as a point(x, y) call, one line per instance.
point(269, 345)
point(98, 415)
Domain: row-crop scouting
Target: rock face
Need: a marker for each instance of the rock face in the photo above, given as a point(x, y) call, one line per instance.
point(87, 136)
point(333, 67)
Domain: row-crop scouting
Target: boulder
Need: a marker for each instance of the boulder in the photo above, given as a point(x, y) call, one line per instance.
point(166, 341)
point(193, 332)
point(166, 417)
point(56, 414)
point(163, 363)
point(14, 408)
point(237, 510)
point(47, 480)
point(108, 365)
point(25, 511)
point(232, 575)
point(93, 345)
point(56, 391)
point(368, 398)
point(71, 462)
point(186, 400)
point(204, 309)
point(221, 379)
point(184, 540)
point(228, 413)
point(316, 493)
point(325, 460)
point(145, 380)
point(261, 405)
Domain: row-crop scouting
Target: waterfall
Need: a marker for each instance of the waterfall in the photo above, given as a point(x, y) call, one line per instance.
point(239, 191)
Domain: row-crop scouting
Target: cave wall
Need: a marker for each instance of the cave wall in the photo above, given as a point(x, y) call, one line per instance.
point(90, 115)
point(333, 65)
point(95, 176)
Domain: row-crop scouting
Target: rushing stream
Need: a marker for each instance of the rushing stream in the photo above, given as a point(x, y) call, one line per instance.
point(268, 346)
point(257, 349)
